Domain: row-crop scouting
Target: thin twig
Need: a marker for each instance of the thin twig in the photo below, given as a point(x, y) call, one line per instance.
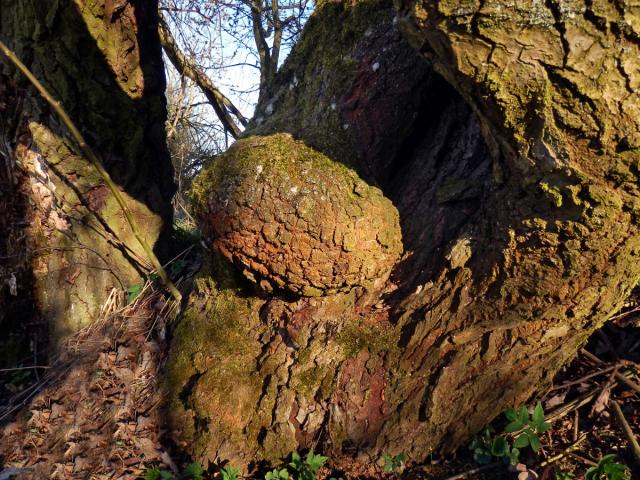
point(23, 368)
point(582, 459)
point(603, 396)
point(473, 471)
point(567, 451)
point(89, 154)
point(582, 379)
point(220, 103)
point(619, 375)
point(635, 448)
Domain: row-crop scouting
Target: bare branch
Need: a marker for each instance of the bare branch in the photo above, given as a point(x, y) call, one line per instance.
point(220, 103)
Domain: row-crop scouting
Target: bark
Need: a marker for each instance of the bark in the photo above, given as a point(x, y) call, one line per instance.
point(514, 170)
point(102, 61)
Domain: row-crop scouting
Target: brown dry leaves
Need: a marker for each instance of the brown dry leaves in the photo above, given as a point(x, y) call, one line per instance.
point(98, 419)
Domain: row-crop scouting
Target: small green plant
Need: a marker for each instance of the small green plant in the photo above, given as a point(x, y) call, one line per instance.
point(157, 474)
point(193, 471)
point(133, 292)
point(488, 445)
point(229, 473)
point(565, 476)
point(608, 469)
point(308, 468)
point(531, 427)
point(392, 463)
point(276, 474)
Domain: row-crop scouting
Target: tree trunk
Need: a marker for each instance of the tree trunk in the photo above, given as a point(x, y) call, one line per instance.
point(514, 171)
point(66, 242)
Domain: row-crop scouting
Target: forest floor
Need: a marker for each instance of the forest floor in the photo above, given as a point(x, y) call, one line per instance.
point(95, 413)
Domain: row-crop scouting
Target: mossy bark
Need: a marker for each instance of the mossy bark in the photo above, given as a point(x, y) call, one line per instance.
point(515, 174)
point(102, 61)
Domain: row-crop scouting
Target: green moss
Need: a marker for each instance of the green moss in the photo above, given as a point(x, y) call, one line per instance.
point(321, 63)
point(376, 338)
point(310, 380)
point(604, 196)
point(551, 193)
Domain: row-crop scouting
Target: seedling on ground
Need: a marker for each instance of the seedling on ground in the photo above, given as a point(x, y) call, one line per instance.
point(608, 469)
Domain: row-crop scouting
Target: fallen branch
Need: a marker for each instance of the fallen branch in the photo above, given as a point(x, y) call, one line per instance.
point(89, 154)
point(635, 448)
point(473, 471)
point(619, 375)
point(566, 452)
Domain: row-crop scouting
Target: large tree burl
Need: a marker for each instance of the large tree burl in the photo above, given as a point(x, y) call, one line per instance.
point(293, 219)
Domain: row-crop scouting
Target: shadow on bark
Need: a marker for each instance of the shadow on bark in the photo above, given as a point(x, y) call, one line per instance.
point(103, 62)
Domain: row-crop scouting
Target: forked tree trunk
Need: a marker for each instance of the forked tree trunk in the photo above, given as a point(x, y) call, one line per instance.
point(63, 236)
point(515, 173)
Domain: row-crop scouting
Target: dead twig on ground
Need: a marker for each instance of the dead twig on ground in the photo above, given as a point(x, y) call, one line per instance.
point(566, 452)
point(473, 471)
point(626, 429)
point(619, 375)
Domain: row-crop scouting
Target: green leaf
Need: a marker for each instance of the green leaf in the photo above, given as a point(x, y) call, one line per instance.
point(538, 414)
point(514, 426)
point(475, 443)
point(315, 462)
point(193, 471)
point(523, 414)
point(534, 441)
point(564, 476)
point(229, 473)
point(276, 474)
point(514, 456)
point(481, 457)
point(133, 292)
point(591, 474)
point(511, 414)
point(166, 475)
point(543, 427)
point(499, 447)
point(152, 474)
point(522, 441)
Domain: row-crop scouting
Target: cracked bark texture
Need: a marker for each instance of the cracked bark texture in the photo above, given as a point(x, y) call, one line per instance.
point(296, 220)
point(514, 170)
point(102, 60)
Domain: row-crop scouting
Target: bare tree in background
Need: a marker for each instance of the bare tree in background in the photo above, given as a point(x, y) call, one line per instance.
point(206, 41)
